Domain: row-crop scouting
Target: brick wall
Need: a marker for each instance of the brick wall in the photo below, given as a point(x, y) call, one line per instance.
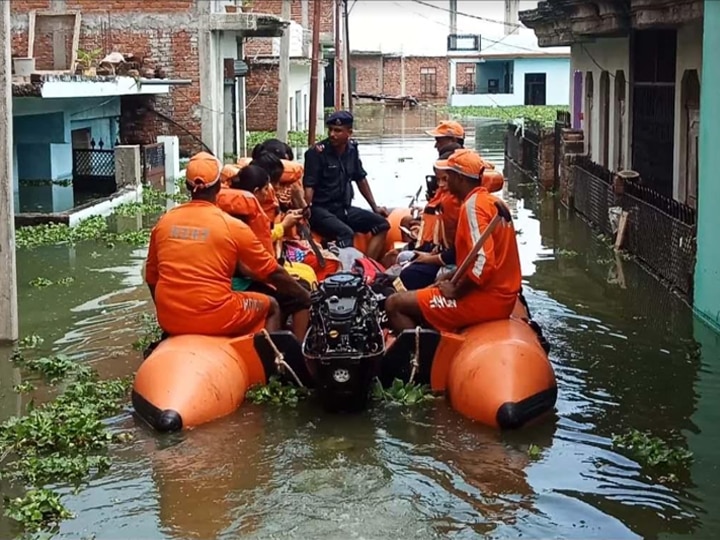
point(465, 77)
point(114, 25)
point(261, 86)
point(368, 73)
point(426, 77)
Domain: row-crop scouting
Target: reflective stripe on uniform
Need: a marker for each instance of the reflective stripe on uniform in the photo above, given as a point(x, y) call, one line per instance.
point(475, 234)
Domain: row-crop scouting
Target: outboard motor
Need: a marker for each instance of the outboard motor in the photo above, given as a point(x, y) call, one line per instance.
point(344, 343)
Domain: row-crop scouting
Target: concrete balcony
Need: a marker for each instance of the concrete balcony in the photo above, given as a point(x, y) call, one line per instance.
point(249, 24)
point(564, 22)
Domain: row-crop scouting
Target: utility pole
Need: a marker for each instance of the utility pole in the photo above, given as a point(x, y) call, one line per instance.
point(511, 16)
point(8, 270)
point(453, 17)
point(284, 74)
point(348, 66)
point(338, 55)
point(312, 130)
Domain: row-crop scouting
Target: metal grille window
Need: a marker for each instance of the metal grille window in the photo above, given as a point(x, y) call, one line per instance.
point(428, 80)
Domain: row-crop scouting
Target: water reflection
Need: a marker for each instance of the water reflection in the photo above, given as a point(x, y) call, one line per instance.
point(622, 349)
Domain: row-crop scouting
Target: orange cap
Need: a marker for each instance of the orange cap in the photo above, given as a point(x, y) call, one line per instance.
point(228, 172)
point(203, 171)
point(463, 161)
point(447, 128)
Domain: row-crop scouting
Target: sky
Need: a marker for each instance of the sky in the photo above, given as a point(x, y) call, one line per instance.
point(412, 28)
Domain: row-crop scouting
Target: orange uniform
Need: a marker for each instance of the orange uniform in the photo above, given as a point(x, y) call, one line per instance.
point(243, 205)
point(291, 178)
point(194, 251)
point(495, 275)
point(439, 220)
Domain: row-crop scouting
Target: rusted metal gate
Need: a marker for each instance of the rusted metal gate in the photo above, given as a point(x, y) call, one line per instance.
point(153, 165)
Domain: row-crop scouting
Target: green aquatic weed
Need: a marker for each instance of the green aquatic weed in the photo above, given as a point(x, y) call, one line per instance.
point(150, 332)
point(402, 393)
point(52, 368)
point(38, 508)
point(652, 451)
point(545, 115)
point(63, 440)
point(275, 392)
point(534, 451)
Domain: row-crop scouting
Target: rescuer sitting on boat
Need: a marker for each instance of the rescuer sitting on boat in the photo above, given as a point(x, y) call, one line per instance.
point(435, 246)
point(195, 249)
point(330, 168)
point(447, 132)
point(490, 288)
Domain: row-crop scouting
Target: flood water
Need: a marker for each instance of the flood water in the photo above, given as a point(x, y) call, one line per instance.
point(621, 350)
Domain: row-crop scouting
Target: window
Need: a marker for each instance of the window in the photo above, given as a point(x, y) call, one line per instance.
point(468, 86)
point(428, 80)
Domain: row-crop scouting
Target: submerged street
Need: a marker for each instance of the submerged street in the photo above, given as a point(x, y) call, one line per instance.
point(628, 355)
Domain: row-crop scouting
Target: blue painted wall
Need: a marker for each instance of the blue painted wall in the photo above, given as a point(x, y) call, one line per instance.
point(707, 267)
point(42, 130)
point(557, 83)
point(491, 70)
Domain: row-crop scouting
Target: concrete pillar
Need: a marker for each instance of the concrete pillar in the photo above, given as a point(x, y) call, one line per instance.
point(172, 157)
point(452, 77)
point(707, 267)
point(240, 115)
point(128, 166)
point(172, 165)
point(8, 272)
point(283, 117)
point(703, 441)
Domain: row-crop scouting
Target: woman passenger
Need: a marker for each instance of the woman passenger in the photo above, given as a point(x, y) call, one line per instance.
point(256, 181)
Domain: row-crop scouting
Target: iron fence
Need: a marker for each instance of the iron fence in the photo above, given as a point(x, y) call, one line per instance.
point(593, 193)
point(661, 232)
point(522, 144)
point(531, 147)
point(513, 146)
point(662, 235)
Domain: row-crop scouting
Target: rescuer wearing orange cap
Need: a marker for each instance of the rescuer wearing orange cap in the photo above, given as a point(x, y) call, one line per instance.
point(194, 251)
point(447, 132)
point(490, 288)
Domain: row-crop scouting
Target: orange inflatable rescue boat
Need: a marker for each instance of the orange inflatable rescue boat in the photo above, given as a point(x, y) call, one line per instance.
point(497, 373)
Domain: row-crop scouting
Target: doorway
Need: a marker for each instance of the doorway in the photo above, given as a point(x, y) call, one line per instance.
point(535, 88)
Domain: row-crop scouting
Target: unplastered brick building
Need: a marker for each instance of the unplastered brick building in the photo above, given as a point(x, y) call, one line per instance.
point(423, 77)
point(191, 43)
point(262, 81)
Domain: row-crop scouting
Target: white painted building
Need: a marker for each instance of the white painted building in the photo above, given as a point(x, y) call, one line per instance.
point(606, 104)
point(511, 71)
point(299, 85)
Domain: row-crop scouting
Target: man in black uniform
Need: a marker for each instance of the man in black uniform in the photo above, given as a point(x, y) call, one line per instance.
point(330, 168)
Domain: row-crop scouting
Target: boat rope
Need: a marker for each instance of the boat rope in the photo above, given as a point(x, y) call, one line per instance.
point(415, 360)
point(280, 362)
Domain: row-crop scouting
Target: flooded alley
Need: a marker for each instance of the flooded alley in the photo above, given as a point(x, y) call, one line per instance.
point(628, 355)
